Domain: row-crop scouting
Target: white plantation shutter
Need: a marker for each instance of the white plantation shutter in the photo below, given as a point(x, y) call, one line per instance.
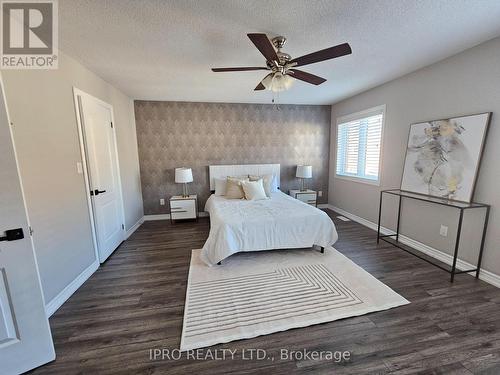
point(373, 139)
point(352, 148)
point(359, 139)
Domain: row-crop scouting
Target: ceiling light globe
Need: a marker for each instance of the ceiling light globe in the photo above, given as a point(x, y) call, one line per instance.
point(288, 81)
point(281, 82)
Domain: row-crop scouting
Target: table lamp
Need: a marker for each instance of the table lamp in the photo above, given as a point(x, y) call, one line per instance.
point(183, 176)
point(303, 172)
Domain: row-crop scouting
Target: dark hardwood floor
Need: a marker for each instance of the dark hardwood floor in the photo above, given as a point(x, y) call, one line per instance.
point(135, 303)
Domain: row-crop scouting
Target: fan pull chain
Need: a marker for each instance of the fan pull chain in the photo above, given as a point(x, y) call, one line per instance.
point(275, 100)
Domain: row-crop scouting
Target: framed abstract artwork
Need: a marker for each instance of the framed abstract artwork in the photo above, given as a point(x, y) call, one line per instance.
point(443, 156)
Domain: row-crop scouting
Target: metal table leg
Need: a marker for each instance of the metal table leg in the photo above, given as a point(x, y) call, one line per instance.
point(457, 244)
point(480, 257)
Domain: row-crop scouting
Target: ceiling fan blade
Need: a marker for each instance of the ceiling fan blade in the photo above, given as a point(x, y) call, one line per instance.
point(324, 54)
point(264, 45)
point(242, 69)
point(306, 77)
point(260, 86)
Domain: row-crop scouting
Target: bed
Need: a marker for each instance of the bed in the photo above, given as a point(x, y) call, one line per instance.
point(280, 222)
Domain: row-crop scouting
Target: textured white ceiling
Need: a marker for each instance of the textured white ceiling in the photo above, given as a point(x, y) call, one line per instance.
point(163, 50)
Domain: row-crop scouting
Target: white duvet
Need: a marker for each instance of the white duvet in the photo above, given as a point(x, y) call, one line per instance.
point(280, 222)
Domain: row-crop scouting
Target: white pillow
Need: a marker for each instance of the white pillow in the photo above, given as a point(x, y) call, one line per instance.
point(254, 190)
point(220, 186)
point(266, 182)
point(269, 182)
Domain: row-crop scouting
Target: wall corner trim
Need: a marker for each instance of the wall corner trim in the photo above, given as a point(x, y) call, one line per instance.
point(486, 276)
point(71, 288)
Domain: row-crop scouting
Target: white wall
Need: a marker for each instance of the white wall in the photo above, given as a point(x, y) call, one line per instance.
point(42, 110)
point(466, 83)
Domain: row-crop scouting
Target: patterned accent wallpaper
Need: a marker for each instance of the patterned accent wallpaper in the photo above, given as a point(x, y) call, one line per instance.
point(196, 135)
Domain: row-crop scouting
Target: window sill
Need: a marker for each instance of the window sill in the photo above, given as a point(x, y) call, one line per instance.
point(359, 180)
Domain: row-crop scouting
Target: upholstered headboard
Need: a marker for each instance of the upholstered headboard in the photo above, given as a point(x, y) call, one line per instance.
point(222, 171)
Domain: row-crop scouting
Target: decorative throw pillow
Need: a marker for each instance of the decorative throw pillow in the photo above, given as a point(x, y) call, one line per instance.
point(234, 190)
point(220, 186)
point(254, 190)
point(267, 181)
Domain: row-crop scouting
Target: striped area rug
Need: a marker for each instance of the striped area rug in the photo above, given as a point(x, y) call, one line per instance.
point(253, 294)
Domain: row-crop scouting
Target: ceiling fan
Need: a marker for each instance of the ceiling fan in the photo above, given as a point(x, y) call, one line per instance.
point(282, 66)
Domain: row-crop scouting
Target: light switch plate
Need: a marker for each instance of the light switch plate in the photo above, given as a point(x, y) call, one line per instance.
point(443, 231)
point(162, 202)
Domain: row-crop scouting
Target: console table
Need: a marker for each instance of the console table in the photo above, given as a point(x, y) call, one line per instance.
point(393, 239)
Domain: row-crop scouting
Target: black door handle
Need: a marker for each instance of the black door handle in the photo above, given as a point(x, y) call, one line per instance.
point(97, 192)
point(13, 234)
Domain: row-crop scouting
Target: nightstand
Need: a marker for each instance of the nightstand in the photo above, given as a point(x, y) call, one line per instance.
point(306, 196)
point(182, 208)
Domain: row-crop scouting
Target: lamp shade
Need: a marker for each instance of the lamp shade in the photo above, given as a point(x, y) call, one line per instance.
point(183, 175)
point(304, 171)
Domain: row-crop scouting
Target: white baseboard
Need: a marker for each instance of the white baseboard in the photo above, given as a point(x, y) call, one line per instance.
point(134, 227)
point(67, 292)
point(487, 276)
point(157, 217)
point(167, 216)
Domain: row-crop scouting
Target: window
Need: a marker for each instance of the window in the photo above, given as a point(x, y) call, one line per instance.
point(359, 138)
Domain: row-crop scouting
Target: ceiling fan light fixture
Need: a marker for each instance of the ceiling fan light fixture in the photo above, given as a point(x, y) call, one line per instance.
point(282, 66)
point(278, 82)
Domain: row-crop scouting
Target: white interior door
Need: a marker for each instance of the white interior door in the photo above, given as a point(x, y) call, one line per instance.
point(25, 339)
point(96, 118)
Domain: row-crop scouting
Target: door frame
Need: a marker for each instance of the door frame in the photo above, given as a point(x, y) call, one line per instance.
point(83, 149)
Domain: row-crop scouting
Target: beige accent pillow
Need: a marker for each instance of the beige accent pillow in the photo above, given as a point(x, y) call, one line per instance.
point(267, 182)
point(254, 190)
point(234, 190)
